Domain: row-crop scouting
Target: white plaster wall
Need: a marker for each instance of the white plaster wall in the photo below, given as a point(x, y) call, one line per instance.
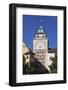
point(50, 55)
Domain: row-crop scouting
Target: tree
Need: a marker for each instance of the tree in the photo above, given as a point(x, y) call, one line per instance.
point(26, 69)
point(53, 66)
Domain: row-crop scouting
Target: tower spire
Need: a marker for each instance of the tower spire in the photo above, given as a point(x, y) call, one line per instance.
point(41, 28)
point(41, 21)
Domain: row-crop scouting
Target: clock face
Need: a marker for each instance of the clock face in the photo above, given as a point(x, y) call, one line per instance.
point(40, 45)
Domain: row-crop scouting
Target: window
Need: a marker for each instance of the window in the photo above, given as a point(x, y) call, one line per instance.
point(37, 36)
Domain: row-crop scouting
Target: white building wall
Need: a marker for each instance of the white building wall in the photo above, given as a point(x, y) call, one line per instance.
point(49, 56)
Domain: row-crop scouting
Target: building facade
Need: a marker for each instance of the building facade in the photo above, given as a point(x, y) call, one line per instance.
point(40, 46)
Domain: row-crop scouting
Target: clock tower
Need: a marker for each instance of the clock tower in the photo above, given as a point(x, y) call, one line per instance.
point(40, 46)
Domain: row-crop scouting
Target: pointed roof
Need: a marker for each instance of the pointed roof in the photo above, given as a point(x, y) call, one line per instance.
point(41, 29)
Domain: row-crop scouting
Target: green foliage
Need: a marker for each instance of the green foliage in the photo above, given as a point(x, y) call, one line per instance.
point(28, 68)
point(53, 66)
point(25, 67)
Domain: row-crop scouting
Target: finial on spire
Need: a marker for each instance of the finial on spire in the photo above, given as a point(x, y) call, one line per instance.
point(41, 28)
point(41, 22)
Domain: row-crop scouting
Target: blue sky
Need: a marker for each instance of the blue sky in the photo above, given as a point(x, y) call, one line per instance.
point(31, 24)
